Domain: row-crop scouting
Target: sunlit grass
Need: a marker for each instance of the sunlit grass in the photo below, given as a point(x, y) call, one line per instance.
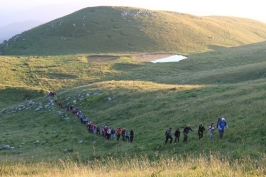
point(202, 165)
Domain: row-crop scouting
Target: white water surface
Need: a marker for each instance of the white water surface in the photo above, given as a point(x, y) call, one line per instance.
point(174, 58)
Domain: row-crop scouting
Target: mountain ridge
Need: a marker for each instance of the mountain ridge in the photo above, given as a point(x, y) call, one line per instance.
point(16, 28)
point(124, 29)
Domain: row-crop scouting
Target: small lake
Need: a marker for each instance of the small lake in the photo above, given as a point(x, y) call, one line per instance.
point(174, 58)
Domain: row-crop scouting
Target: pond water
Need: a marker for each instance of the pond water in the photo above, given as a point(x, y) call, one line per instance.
point(174, 58)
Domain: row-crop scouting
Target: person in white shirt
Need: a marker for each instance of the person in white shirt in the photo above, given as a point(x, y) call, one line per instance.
point(211, 130)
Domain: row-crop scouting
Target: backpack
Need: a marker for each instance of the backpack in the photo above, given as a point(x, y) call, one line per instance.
point(166, 133)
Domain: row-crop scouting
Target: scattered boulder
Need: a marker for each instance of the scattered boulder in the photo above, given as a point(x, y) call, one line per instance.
point(31, 103)
point(37, 142)
point(59, 112)
point(39, 108)
point(6, 146)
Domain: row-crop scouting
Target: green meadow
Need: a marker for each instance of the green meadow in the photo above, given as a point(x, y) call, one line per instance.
point(115, 85)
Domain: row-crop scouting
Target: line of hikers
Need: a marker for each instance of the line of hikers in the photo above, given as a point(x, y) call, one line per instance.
point(105, 131)
point(221, 124)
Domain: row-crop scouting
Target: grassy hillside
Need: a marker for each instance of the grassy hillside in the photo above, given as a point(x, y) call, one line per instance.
point(26, 77)
point(120, 90)
point(127, 30)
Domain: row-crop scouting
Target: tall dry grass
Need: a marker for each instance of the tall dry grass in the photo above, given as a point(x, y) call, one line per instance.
point(202, 165)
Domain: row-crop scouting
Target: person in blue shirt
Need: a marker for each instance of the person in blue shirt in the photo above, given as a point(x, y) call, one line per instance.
point(127, 135)
point(168, 135)
point(221, 125)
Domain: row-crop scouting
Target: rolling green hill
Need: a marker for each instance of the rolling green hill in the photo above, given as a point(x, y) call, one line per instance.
point(127, 30)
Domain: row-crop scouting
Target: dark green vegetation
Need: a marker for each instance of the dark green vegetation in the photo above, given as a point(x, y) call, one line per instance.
point(146, 97)
point(126, 30)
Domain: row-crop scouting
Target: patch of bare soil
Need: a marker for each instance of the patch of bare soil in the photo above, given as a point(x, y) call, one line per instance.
point(102, 58)
point(152, 56)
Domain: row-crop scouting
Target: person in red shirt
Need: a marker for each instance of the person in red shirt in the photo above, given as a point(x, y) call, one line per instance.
point(105, 131)
point(118, 133)
point(123, 134)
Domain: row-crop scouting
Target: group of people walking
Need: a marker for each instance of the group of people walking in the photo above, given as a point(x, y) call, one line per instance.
point(104, 131)
point(221, 124)
point(127, 136)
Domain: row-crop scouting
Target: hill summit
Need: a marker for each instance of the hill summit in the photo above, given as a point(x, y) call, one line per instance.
point(126, 30)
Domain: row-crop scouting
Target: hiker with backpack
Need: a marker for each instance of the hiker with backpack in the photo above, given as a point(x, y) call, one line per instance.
point(98, 130)
point(118, 133)
point(112, 134)
point(108, 133)
point(168, 135)
point(123, 134)
point(127, 135)
point(185, 132)
point(221, 125)
point(131, 136)
point(201, 130)
point(103, 130)
point(177, 135)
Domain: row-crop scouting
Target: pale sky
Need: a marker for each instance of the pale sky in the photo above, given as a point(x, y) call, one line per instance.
point(19, 10)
